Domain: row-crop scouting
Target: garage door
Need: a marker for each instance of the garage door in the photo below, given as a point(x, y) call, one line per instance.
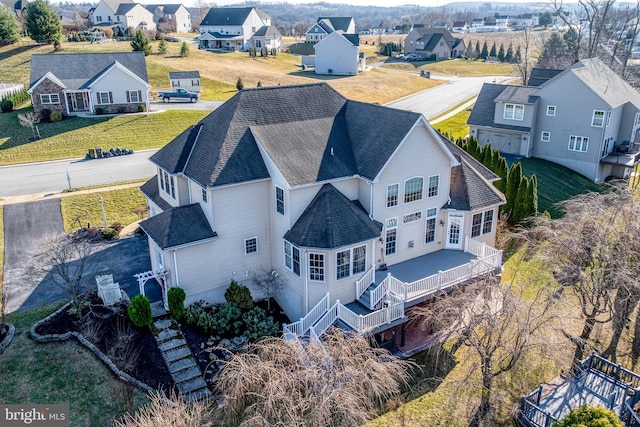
point(505, 142)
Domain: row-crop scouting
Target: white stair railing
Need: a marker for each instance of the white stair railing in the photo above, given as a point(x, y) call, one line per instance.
point(365, 281)
point(302, 326)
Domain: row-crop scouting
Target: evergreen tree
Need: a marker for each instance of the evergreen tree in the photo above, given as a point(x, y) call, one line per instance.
point(485, 51)
point(184, 50)
point(533, 195)
point(517, 57)
point(162, 46)
point(494, 51)
point(43, 24)
point(545, 19)
point(555, 53)
point(513, 181)
point(502, 170)
point(474, 148)
point(477, 53)
point(140, 43)
point(9, 26)
point(501, 53)
point(509, 56)
point(487, 156)
point(495, 159)
point(519, 211)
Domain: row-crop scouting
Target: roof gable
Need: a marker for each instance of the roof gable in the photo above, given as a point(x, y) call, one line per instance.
point(75, 70)
point(469, 191)
point(338, 22)
point(230, 15)
point(332, 221)
point(179, 226)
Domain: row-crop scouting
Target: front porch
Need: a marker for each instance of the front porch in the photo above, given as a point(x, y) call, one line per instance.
point(383, 296)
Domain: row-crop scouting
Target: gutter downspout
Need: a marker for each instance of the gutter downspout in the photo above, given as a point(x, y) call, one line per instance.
point(306, 283)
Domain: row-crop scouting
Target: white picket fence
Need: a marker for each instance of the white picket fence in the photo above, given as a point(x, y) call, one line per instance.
point(8, 89)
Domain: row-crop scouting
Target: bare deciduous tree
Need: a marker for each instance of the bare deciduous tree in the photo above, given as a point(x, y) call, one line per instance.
point(67, 261)
point(339, 381)
point(497, 323)
point(269, 283)
point(594, 253)
point(172, 410)
point(30, 120)
point(525, 64)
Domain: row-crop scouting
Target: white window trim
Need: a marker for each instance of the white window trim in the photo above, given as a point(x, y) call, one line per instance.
point(324, 267)
point(256, 251)
point(411, 217)
point(514, 108)
point(205, 197)
point(100, 97)
point(437, 189)
point(593, 118)
point(49, 97)
point(292, 246)
point(397, 195)
point(404, 193)
point(550, 109)
point(284, 206)
point(351, 261)
point(131, 101)
point(584, 142)
point(545, 134)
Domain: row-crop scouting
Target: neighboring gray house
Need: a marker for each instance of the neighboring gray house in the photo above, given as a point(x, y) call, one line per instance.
point(539, 76)
point(189, 80)
point(585, 118)
point(327, 25)
point(74, 83)
point(323, 196)
point(434, 41)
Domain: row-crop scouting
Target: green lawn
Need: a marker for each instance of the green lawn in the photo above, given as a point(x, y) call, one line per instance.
point(455, 125)
point(72, 137)
point(119, 205)
point(1, 249)
point(62, 372)
point(556, 183)
point(458, 67)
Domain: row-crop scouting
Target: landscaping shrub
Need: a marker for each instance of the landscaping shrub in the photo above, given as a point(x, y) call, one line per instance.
point(45, 114)
point(198, 316)
point(117, 226)
point(99, 110)
point(586, 416)
point(228, 320)
point(239, 84)
point(258, 324)
point(176, 298)
point(141, 108)
point(55, 116)
point(140, 311)
point(239, 295)
point(109, 233)
point(18, 97)
point(6, 106)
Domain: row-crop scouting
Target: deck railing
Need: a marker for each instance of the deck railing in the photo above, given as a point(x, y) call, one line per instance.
point(365, 281)
point(302, 326)
point(628, 415)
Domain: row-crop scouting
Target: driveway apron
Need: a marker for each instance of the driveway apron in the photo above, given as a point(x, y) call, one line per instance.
point(25, 224)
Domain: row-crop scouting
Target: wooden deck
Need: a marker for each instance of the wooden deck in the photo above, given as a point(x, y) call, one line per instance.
point(598, 382)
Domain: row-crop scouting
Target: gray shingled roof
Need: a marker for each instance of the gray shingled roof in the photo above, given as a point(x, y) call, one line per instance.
point(178, 226)
point(336, 22)
point(432, 41)
point(353, 38)
point(485, 107)
point(173, 156)
point(168, 9)
point(332, 221)
point(124, 8)
point(184, 74)
point(267, 31)
point(151, 190)
point(229, 15)
point(448, 37)
point(469, 191)
point(76, 69)
point(517, 94)
point(300, 141)
point(539, 76)
point(461, 154)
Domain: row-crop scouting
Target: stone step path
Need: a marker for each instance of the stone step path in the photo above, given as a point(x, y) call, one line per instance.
point(182, 365)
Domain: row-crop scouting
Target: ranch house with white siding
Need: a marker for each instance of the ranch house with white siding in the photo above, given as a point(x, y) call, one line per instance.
point(337, 198)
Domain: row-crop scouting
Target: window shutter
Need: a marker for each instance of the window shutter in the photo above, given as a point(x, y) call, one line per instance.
point(98, 98)
point(110, 98)
point(139, 96)
point(128, 97)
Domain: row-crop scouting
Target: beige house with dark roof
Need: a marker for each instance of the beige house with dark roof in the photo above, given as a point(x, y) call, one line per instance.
point(341, 199)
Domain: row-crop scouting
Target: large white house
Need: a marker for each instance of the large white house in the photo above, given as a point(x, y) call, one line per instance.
point(123, 14)
point(326, 192)
point(339, 54)
point(231, 27)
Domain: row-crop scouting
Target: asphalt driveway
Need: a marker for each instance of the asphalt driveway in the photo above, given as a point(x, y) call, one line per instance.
point(26, 224)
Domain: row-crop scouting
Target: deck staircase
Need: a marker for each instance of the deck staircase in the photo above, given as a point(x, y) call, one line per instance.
point(365, 298)
point(182, 365)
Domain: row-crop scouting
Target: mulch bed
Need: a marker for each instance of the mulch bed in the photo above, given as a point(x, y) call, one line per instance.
point(147, 365)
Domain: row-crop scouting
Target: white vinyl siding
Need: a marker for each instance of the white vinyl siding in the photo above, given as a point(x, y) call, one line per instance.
point(513, 111)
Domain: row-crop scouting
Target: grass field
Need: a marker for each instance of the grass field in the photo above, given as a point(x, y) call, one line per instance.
point(72, 137)
point(119, 205)
point(459, 67)
point(456, 125)
point(63, 372)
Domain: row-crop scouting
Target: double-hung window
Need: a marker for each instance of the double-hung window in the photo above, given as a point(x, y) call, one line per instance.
point(430, 234)
point(413, 189)
point(578, 143)
point(50, 98)
point(292, 258)
point(134, 96)
point(482, 223)
point(434, 183)
point(514, 111)
point(350, 261)
point(280, 200)
point(392, 195)
point(545, 136)
point(551, 110)
point(204, 195)
point(476, 225)
point(487, 224)
point(316, 267)
point(167, 184)
point(104, 98)
point(598, 118)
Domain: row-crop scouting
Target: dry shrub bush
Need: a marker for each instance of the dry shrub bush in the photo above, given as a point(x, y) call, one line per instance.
point(172, 410)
